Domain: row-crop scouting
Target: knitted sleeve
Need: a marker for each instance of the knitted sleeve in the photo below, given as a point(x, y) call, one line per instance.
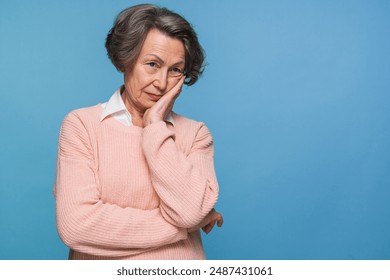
point(84, 222)
point(186, 185)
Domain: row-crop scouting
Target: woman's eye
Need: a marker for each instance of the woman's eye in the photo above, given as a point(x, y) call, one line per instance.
point(176, 71)
point(152, 64)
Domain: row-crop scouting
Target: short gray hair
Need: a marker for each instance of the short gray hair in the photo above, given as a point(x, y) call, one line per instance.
point(125, 39)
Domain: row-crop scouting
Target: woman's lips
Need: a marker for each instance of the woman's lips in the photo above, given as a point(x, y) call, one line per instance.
point(154, 97)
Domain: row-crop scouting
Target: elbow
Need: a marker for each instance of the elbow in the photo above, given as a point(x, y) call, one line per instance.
point(72, 230)
point(68, 234)
point(191, 213)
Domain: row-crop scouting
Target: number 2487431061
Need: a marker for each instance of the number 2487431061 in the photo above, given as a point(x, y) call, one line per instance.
point(240, 270)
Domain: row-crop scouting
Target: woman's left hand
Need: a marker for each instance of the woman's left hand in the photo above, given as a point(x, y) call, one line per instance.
point(209, 222)
point(164, 105)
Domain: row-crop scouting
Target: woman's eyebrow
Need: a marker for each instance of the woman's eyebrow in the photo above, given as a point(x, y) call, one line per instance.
point(181, 61)
point(156, 57)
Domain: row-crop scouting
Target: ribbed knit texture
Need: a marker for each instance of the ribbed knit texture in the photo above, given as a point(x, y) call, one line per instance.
point(126, 192)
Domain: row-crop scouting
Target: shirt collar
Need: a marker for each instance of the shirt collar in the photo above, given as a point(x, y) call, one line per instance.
point(116, 106)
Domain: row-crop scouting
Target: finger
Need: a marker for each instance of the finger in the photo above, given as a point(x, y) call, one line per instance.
point(209, 227)
point(166, 102)
point(213, 218)
point(206, 222)
point(175, 91)
point(206, 227)
point(220, 221)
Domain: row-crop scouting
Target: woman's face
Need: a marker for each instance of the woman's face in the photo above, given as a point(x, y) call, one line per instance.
point(158, 69)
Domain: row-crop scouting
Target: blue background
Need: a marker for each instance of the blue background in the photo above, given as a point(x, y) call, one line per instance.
point(296, 94)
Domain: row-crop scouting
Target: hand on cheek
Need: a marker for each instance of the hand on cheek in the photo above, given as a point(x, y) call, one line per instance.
point(163, 106)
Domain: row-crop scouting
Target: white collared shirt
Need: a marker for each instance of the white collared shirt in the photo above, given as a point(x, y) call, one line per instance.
point(116, 108)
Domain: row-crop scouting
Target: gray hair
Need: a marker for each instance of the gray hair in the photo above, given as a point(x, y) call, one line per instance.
point(125, 39)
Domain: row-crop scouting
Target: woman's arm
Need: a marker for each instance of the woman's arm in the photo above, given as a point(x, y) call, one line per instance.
point(85, 223)
point(186, 185)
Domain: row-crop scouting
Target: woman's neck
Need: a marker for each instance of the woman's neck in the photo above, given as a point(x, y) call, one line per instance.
point(136, 113)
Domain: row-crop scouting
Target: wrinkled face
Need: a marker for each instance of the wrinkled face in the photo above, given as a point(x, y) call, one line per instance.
point(158, 69)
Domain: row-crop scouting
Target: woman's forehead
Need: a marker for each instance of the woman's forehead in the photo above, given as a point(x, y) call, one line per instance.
point(166, 47)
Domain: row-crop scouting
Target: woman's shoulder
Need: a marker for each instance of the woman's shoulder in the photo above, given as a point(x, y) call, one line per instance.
point(78, 128)
point(192, 135)
point(184, 122)
point(91, 112)
point(87, 114)
point(198, 129)
point(83, 119)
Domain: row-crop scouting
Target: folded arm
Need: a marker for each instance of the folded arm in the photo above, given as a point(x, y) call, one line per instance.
point(186, 185)
point(85, 223)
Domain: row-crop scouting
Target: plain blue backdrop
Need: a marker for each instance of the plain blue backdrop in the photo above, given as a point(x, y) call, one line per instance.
point(296, 94)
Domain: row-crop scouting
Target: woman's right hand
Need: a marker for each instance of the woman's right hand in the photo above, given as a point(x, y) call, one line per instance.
point(209, 222)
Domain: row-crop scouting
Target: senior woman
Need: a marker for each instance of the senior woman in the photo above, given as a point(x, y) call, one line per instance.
point(134, 179)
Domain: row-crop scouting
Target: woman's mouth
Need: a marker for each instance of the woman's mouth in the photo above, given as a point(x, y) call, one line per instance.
point(154, 97)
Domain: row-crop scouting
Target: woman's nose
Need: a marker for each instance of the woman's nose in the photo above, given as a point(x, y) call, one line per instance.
point(161, 80)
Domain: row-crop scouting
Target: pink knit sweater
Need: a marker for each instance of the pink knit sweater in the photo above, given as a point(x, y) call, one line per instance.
point(126, 192)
